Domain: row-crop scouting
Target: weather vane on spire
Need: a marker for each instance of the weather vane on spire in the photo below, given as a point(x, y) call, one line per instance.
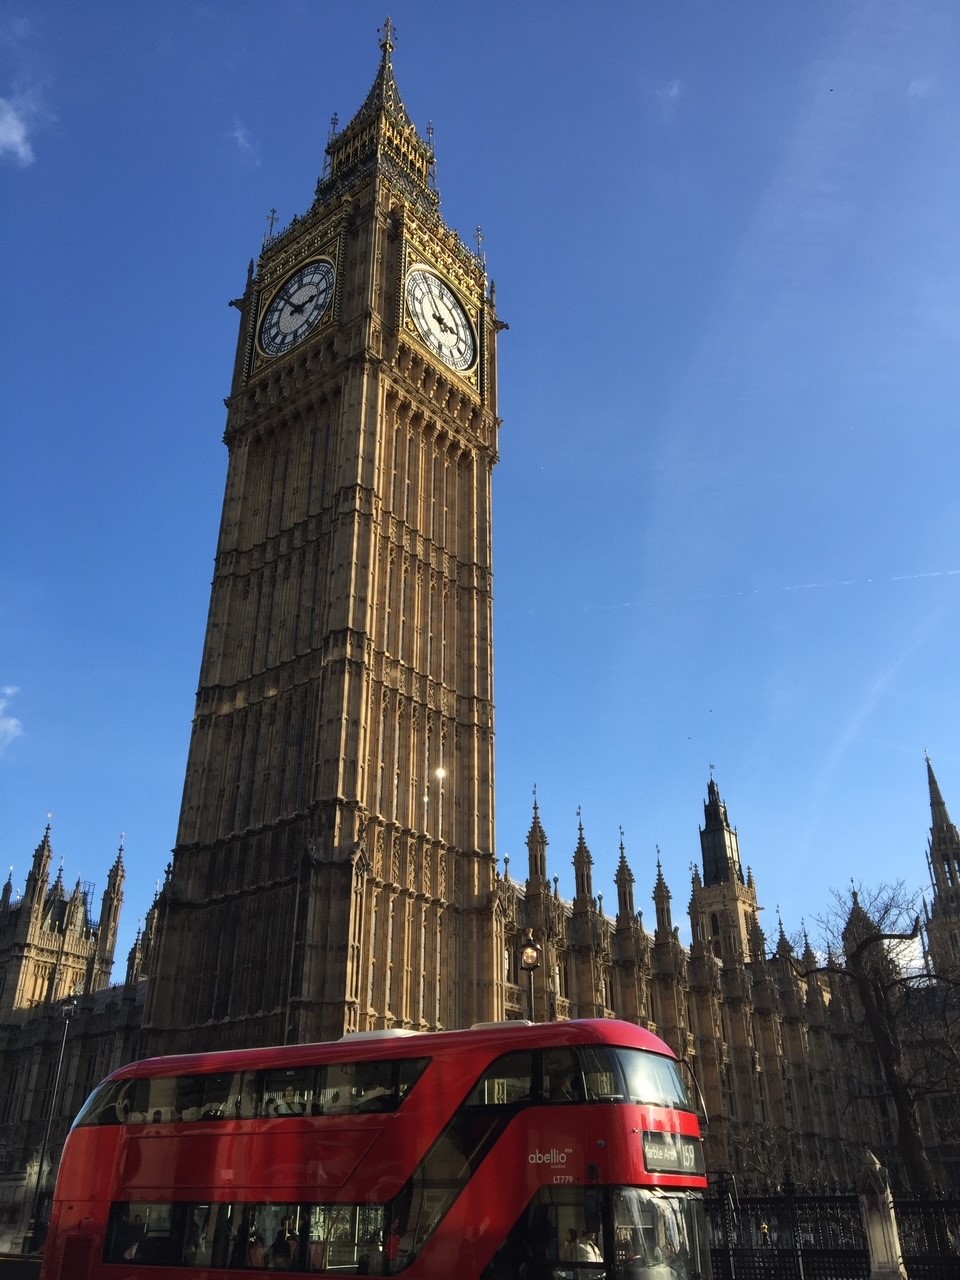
point(387, 35)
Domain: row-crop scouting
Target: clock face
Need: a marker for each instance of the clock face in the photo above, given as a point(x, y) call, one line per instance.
point(441, 320)
point(297, 307)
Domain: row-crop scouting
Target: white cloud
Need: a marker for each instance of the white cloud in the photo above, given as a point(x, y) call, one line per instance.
point(22, 108)
point(668, 97)
point(15, 120)
point(15, 28)
point(921, 89)
point(10, 726)
point(246, 145)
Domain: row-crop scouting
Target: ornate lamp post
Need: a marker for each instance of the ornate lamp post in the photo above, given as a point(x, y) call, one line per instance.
point(33, 1240)
point(530, 956)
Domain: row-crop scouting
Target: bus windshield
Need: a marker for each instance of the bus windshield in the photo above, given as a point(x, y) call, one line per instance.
point(617, 1233)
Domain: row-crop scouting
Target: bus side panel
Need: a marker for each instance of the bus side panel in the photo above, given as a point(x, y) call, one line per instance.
point(89, 1167)
point(573, 1146)
point(75, 1241)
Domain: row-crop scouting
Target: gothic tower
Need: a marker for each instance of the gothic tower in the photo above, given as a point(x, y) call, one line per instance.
point(943, 860)
point(50, 945)
point(726, 905)
point(334, 867)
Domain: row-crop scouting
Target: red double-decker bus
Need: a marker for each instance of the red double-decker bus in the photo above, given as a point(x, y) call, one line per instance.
point(564, 1151)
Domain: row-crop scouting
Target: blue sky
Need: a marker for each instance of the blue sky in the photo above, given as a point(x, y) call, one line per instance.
point(727, 526)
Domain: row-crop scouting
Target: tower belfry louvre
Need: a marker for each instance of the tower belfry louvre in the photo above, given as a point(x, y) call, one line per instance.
point(334, 867)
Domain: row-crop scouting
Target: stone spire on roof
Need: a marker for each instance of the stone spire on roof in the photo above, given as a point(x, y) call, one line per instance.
point(624, 882)
point(582, 863)
point(382, 131)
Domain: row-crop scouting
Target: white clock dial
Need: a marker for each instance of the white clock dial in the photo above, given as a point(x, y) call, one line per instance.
point(297, 307)
point(441, 320)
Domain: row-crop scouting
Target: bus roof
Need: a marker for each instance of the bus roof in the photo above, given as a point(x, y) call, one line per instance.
point(492, 1038)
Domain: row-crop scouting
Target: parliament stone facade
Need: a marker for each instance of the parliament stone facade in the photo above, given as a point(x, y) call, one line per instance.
point(334, 867)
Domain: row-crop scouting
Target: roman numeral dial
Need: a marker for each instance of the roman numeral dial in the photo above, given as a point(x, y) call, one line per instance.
point(440, 320)
point(297, 307)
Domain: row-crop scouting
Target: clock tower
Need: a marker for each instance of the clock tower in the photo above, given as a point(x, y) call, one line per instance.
point(334, 867)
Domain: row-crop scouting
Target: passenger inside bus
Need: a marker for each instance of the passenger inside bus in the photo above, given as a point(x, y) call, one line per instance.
point(288, 1104)
point(561, 1075)
point(257, 1251)
point(588, 1249)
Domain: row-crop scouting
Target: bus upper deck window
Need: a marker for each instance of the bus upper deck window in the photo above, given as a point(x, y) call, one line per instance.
point(376, 1086)
point(506, 1082)
point(562, 1081)
point(289, 1092)
point(601, 1075)
point(654, 1079)
point(118, 1102)
point(340, 1088)
point(380, 1085)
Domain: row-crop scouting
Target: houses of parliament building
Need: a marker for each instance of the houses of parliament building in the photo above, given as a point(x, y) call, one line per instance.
point(347, 663)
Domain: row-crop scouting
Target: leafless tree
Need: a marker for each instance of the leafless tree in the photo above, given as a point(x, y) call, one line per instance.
point(872, 943)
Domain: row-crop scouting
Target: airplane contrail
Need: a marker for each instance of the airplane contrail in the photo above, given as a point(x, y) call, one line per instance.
point(592, 607)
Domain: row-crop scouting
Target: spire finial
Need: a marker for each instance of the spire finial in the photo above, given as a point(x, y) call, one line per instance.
point(387, 34)
point(433, 163)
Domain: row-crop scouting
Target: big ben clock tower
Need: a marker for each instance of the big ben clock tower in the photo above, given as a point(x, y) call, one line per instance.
point(334, 867)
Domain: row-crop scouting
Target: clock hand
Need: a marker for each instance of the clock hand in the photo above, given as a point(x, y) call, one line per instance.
point(442, 323)
point(298, 308)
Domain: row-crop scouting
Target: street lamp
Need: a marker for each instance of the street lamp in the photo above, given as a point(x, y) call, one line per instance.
point(32, 1240)
point(530, 954)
